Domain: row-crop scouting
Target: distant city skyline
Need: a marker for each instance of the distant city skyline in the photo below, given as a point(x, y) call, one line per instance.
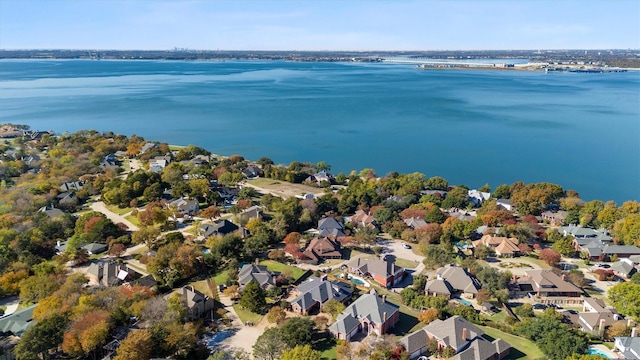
point(319, 25)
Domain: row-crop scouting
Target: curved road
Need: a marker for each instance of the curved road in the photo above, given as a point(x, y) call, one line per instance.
point(100, 207)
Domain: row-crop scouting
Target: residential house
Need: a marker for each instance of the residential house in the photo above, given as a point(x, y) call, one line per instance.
point(185, 206)
point(363, 219)
point(252, 172)
point(505, 204)
point(415, 223)
point(453, 281)
point(468, 341)
point(320, 249)
point(321, 176)
point(158, 163)
point(555, 218)
point(385, 272)
point(478, 197)
point(109, 273)
point(257, 273)
point(18, 322)
point(329, 226)
point(52, 212)
point(462, 215)
point(197, 303)
point(95, 248)
point(628, 346)
point(596, 317)
point(369, 314)
point(440, 193)
point(221, 227)
point(316, 291)
point(501, 246)
point(146, 147)
point(549, 287)
point(624, 268)
point(69, 186)
point(253, 212)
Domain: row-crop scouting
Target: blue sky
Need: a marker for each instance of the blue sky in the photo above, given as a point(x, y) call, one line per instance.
point(319, 24)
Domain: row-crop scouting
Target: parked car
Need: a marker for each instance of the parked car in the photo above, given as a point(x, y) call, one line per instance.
point(539, 306)
point(406, 246)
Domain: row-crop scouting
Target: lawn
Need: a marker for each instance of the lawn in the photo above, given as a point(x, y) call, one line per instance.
point(119, 210)
point(201, 286)
point(245, 315)
point(521, 348)
point(221, 278)
point(407, 264)
point(327, 347)
point(133, 219)
point(279, 267)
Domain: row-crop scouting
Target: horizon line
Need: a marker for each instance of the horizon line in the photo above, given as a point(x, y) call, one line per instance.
point(325, 50)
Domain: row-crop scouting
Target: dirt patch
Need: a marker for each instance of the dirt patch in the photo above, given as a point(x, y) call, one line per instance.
point(282, 188)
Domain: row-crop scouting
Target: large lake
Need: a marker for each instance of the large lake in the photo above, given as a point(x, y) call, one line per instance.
point(472, 127)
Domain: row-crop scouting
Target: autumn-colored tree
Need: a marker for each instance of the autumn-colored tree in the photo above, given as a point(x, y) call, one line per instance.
point(133, 149)
point(87, 333)
point(138, 345)
point(212, 212)
point(181, 338)
point(496, 217)
point(550, 256)
point(483, 296)
point(413, 213)
point(427, 316)
point(244, 204)
point(301, 352)
point(292, 238)
point(47, 307)
point(276, 315)
point(292, 249)
point(524, 248)
point(10, 281)
point(343, 351)
point(617, 329)
point(117, 250)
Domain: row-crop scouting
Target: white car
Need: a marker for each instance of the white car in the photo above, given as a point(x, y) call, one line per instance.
point(406, 246)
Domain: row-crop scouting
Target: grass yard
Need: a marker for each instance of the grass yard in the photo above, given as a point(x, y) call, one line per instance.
point(283, 188)
point(201, 286)
point(133, 219)
point(118, 210)
point(279, 267)
point(221, 278)
point(521, 348)
point(407, 264)
point(327, 347)
point(245, 315)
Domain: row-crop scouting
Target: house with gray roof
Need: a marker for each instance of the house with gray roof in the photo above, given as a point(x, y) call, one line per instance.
point(257, 273)
point(555, 218)
point(415, 223)
point(504, 204)
point(468, 341)
point(110, 273)
point(18, 322)
point(52, 212)
point(221, 227)
point(197, 303)
point(453, 281)
point(477, 197)
point(253, 212)
point(385, 272)
point(628, 346)
point(329, 226)
point(369, 314)
point(95, 248)
point(315, 292)
point(624, 268)
point(321, 176)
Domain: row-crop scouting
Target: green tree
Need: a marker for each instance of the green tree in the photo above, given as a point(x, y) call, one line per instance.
point(627, 230)
point(333, 307)
point(502, 192)
point(253, 298)
point(301, 352)
point(436, 183)
point(270, 345)
point(626, 298)
point(276, 315)
point(437, 256)
point(435, 216)
point(297, 331)
point(36, 342)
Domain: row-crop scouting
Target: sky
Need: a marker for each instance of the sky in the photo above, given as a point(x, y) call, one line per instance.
point(319, 24)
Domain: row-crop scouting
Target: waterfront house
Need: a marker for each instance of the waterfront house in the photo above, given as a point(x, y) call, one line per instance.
point(504, 204)
point(478, 197)
point(368, 314)
point(252, 172)
point(320, 177)
point(555, 218)
point(468, 341)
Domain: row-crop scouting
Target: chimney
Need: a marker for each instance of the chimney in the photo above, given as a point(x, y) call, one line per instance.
point(257, 262)
point(464, 334)
point(58, 243)
point(634, 332)
point(564, 277)
point(601, 327)
point(629, 323)
point(384, 298)
point(384, 317)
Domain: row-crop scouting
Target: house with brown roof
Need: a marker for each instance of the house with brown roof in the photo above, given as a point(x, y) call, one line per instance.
point(468, 341)
point(501, 246)
point(363, 219)
point(596, 317)
point(453, 281)
point(320, 249)
point(385, 272)
point(369, 314)
point(548, 286)
point(555, 218)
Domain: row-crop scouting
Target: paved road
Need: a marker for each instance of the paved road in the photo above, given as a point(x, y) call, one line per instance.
point(99, 206)
point(244, 336)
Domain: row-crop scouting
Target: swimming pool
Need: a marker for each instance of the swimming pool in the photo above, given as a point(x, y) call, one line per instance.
point(465, 302)
point(600, 353)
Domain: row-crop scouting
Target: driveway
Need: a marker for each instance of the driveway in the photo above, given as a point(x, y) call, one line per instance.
point(395, 248)
point(243, 337)
point(99, 206)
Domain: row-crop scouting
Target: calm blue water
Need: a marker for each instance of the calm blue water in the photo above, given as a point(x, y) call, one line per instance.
point(581, 131)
